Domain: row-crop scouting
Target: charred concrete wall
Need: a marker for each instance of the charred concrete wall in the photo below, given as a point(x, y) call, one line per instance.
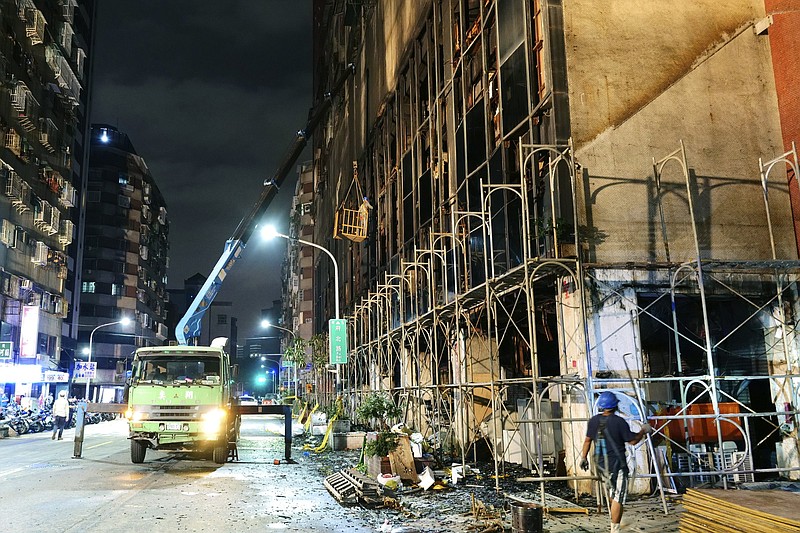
point(644, 76)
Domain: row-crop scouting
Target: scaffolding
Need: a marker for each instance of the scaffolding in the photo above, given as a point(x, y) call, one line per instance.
point(476, 305)
point(441, 351)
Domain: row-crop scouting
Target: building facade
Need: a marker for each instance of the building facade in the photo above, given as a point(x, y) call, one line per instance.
point(44, 68)
point(125, 258)
point(557, 198)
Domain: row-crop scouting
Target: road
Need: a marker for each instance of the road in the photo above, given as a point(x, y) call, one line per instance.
point(43, 488)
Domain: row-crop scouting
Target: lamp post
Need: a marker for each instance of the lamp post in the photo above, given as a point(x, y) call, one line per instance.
point(270, 232)
point(124, 321)
point(267, 324)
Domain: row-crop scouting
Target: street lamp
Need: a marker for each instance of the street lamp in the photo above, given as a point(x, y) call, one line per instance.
point(269, 232)
point(267, 324)
point(273, 381)
point(124, 322)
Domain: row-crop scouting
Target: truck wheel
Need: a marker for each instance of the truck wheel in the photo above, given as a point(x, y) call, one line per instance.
point(138, 451)
point(220, 453)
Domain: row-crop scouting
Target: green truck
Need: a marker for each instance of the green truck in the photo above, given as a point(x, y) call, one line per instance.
point(181, 398)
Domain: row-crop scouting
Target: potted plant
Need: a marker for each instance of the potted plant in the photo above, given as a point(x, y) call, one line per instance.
point(379, 407)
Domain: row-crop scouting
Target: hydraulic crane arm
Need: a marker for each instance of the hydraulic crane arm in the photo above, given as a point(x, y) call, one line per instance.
point(188, 329)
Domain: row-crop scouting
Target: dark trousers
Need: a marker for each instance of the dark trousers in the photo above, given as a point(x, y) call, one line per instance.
point(58, 425)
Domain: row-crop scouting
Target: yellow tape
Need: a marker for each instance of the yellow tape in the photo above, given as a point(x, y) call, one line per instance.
point(307, 427)
point(322, 445)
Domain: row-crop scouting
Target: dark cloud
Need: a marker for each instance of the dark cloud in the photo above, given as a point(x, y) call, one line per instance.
point(210, 94)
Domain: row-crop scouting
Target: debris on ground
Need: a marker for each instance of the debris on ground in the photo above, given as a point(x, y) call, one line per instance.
point(475, 498)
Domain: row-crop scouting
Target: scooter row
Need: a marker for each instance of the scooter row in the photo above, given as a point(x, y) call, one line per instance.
point(23, 422)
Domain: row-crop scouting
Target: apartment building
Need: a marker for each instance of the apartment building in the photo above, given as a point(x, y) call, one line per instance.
point(44, 69)
point(125, 258)
point(548, 200)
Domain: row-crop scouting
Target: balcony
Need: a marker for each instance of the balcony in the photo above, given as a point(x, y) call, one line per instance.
point(40, 254)
point(55, 221)
point(65, 34)
point(26, 106)
point(68, 195)
point(47, 132)
point(66, 231)
point(68, 9)
point(8, 233)
point(65, 77)
point(18, 191)
point(34, 23)
point(13, 142)
point(41, 216)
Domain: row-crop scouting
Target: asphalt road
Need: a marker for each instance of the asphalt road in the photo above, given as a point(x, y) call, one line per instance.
point(42, 488)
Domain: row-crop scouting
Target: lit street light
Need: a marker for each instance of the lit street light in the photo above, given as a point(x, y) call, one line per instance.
point(124, 322)
point(269, 232)
point(267, 324)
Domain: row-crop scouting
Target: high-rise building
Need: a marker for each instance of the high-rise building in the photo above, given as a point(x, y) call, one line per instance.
point(44, 72)
point(125, 258)
point(552, 199)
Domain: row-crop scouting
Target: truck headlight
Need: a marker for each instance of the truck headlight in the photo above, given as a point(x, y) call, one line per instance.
point(212, 421)
point(134, 416)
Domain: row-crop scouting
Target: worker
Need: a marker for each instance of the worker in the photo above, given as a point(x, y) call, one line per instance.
point(610, 432)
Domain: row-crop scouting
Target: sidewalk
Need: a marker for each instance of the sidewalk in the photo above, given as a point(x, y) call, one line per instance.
point(641, 516)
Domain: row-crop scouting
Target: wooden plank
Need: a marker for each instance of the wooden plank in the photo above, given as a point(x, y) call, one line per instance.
point(779, 505)
point(735, 511)
point(402, 460)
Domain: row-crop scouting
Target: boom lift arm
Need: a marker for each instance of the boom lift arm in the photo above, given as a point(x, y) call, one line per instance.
point(188, 329)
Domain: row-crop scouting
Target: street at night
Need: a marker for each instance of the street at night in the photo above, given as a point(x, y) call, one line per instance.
point(43, 488)
point(526, 265)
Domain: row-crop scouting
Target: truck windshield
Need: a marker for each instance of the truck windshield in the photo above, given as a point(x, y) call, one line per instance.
point(169, 369)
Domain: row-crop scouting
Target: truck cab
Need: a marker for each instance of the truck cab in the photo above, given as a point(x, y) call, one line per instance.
point(181, 398)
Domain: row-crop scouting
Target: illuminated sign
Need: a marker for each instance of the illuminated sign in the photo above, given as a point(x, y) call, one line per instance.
point(20, 373)
point(6, 350)
point(85, 370)
point(29, 332)
point(51, 376)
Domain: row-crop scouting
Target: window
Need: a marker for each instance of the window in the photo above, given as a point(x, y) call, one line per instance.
point(93, 196)
point(87, 286)
point(124, 201)
point(117, 289)
point(222, 320)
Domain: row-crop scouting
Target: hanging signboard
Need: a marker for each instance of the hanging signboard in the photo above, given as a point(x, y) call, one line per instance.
point(52, 376)
point(337, 335)
point(29, 332)
point(85, 370)
point(6, 351)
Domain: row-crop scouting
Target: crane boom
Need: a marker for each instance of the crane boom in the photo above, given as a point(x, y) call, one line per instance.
point(189, 327)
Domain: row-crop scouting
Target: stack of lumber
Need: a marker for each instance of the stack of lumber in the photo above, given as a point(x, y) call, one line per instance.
point(734, 511)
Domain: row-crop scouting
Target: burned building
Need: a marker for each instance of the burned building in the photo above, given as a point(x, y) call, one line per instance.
point(534, 201)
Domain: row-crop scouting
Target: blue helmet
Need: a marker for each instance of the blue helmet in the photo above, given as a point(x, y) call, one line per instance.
point(608, 400)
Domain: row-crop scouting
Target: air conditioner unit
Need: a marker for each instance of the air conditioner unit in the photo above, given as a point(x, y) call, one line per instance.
point(305, 209)
point(746, 465)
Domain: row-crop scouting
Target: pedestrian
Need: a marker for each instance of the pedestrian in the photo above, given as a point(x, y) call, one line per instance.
point(60, 413)
point(610, 432)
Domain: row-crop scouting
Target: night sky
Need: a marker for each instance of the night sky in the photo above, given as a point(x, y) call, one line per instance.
point(210, 94)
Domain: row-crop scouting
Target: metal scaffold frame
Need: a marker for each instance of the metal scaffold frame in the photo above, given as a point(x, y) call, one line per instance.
point(418, 340)
point(474, 304)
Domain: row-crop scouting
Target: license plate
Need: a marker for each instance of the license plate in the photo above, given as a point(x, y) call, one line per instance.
point(174, 427)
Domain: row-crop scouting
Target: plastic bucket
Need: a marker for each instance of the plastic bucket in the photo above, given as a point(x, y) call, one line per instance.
point(526, 517)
